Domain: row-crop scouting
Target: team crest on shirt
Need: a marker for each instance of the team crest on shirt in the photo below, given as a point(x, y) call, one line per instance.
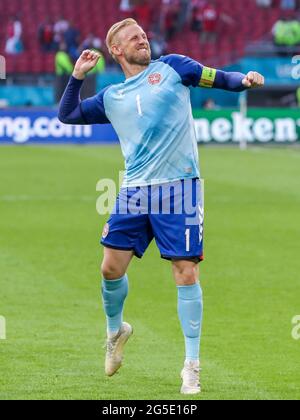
point(154, 79)
point(105, 231)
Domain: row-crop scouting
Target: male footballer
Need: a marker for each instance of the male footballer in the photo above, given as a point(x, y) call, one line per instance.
point(151, 113)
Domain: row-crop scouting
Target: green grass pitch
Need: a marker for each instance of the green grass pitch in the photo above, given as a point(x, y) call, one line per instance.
point(50, 282)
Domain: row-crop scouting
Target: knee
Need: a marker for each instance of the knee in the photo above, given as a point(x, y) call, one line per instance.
point(186, 276)
point(111, 271)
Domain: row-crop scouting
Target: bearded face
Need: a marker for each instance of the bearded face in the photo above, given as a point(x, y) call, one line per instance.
point(141, 55)
point(135, 46)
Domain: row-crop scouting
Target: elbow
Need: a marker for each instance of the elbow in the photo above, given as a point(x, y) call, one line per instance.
point(63, 118)
point(67, 117)
point(61, 115)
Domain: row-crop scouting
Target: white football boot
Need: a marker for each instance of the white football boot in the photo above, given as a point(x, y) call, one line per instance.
point(190, 376)
point(114, 349)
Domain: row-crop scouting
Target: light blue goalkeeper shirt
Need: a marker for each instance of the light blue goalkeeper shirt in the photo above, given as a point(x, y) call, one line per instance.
point(152, 116)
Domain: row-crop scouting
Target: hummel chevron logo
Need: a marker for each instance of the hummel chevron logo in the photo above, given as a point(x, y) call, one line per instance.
point(201, 210)
point(194, 325)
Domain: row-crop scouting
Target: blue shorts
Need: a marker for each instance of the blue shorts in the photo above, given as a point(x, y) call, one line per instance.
point(172, 213)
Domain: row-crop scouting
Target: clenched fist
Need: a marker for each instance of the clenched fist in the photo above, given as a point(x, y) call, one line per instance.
point(253, 80)
point(85, 63)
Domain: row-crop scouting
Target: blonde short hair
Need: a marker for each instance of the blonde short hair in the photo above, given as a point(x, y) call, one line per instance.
point(117, 27)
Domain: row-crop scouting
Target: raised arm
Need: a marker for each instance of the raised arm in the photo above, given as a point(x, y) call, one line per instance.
point(195, 74)
point(232, 81)
point(71, 109)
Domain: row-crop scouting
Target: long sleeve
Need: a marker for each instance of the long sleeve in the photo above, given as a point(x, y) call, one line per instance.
point(231, 81)
point(195, 74)
point(69, 108)
point(74, 111)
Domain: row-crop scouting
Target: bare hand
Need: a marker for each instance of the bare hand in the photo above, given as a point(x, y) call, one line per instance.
point(85, 63)
point(253, 80)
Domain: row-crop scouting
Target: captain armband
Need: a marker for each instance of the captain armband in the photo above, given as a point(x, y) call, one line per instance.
point(208, 77)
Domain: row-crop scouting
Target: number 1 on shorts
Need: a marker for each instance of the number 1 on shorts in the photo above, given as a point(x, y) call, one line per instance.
point(187, 240)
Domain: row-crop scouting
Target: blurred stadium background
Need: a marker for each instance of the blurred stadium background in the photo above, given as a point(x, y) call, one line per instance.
point(40, 41)
point(49, 228)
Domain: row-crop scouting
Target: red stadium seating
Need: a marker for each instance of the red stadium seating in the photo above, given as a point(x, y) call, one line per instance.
point(98, 15)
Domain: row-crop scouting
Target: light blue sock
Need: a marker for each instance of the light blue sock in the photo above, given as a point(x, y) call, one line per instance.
point(114, 293)
point(190, 310)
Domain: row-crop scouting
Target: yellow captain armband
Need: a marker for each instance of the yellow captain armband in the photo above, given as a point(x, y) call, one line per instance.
point(208, 77)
